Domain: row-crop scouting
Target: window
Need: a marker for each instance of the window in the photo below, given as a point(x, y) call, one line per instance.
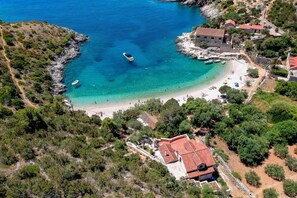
point(212, 37)
point(205, 37)
point(198, 36)
point(220, 38)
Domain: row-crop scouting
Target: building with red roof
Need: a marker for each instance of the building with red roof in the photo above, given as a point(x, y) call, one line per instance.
point(293, 62)
point(251, 28)
point(292, 67)
point(195, 156)
point(230, 24)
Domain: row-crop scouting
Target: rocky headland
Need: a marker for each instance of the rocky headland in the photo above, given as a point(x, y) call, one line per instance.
point(56, 69)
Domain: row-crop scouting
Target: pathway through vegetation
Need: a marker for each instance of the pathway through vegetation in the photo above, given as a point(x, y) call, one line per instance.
point(26, 101)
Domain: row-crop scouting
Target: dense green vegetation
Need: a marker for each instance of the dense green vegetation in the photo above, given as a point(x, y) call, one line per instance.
point(275, 171)
point(283, 14)
point(291, 162)
point(32, 46)
point(253, 178)
point(280, 150)
point(270, 193)
point(290, 187)
point(280, 72)
point(287, 89)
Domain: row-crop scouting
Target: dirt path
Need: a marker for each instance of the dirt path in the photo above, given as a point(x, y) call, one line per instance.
point(262, 76)
point(26, 101)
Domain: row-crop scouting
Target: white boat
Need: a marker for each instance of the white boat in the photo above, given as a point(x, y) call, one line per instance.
point(128, 56)
point(223, 62)
point(202, 58)
point(217, 60)
point(75, 82)
point(208, 61)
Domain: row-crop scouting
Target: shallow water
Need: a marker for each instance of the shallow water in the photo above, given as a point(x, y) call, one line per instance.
point(145, 28)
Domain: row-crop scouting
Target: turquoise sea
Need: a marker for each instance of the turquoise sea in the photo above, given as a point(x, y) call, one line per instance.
point(145, 28)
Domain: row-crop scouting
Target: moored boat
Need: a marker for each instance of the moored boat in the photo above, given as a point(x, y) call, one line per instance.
point(202, 58)
point(75, 82)
point(217, 60)
point(223, 62)
point(208, 61)
point(128, 56)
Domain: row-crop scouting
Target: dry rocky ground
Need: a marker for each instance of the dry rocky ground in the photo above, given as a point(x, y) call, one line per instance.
point(267, 182)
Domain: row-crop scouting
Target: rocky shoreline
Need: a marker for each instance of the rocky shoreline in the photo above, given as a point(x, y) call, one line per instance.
point(186, 46)
point(210, 11)
point(56, 69)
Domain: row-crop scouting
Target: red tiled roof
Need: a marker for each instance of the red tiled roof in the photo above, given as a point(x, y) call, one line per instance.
point(193, 153)
point(250, 27)
point(195, 174)
point(210, 32)
point(257, 27)
point(293, 62)
point(230, 21)
point(167, 153)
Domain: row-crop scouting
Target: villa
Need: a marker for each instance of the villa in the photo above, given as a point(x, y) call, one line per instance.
point(194, 157)
point(213, 37)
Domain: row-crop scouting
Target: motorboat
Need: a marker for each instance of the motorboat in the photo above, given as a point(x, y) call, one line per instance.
point(128, 56)
point(75, 82)
point(202, 58)
point(223, 62)
point(208, 61)
point(217, 61)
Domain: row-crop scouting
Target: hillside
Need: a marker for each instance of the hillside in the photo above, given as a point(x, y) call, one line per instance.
point(28, 49)
point(47, 150)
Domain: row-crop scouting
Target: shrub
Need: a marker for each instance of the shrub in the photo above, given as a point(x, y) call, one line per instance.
point(254, 73)
point(270, 193)
point(281, 150)
point(291, 162)
point(236, 175)
point(295, 151)
point(253, 178)
point(280, 72)
point(275, 171)
point(290, 187)
point(29, 171)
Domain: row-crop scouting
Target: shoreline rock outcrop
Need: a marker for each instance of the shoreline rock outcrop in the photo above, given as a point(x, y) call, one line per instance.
point(56, 69)
point(198, 3)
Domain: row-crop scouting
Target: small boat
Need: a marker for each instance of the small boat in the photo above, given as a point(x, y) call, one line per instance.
point(217, 60)
point(223, 62)
point(75, 82)
point(208, 61)
point(128, 56)
point(202, 58)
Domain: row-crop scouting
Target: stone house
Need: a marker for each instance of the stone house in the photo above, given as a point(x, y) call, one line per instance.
point(213, 37)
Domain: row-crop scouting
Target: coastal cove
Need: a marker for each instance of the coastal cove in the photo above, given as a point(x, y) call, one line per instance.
point(147, 29)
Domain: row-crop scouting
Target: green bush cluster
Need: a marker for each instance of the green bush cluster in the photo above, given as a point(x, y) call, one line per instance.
point(253, 178)
point(275, 171)
point(290, 188)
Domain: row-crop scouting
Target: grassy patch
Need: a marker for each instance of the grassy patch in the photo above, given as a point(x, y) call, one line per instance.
point(264, 100)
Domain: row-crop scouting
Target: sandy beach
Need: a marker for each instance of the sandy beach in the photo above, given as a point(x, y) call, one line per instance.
point(236, 72)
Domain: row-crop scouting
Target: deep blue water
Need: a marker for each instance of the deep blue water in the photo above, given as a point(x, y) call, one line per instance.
point(145, 28)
